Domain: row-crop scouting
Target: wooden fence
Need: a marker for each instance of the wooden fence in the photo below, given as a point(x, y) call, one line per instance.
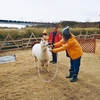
point(27, 42)
point(10, 44)
point(87, 44)
point(88, 36)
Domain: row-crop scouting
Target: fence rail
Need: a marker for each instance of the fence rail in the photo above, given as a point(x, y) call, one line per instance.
point(10, 44)
point(88, 44)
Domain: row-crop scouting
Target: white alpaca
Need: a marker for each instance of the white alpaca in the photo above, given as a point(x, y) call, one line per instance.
point(41, 55)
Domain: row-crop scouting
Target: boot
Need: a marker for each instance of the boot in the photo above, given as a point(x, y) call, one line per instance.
point(70, 74)
point(51, 61)
point(74, 78)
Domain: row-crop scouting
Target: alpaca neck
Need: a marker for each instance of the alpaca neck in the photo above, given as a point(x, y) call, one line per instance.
point(43, 48)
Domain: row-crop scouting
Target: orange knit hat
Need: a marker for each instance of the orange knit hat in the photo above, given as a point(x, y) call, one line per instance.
point(44, 32)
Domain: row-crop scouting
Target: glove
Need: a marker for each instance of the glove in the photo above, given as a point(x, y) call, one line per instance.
point(49, 43)
point(50, 46)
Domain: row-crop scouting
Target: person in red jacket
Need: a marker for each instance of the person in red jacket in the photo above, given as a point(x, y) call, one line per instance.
point(54, 37)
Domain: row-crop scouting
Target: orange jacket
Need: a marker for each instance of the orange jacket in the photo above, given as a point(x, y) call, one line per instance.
point(71, 46)
point(57, 37)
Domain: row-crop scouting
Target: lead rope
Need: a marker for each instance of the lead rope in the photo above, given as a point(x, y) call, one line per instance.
point(54, 74)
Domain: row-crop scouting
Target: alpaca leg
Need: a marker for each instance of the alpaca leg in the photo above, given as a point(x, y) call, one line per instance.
point(35, 62)
point(42, 66)
point(47, 66)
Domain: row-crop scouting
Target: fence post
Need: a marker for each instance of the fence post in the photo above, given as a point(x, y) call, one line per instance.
point(30, 39)
point(11, 39)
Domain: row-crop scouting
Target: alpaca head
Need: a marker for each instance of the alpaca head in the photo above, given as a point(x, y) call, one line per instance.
point(43, 43)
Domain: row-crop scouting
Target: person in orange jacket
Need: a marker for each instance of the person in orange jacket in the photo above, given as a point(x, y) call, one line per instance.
point(73, 51)
point(54, 37)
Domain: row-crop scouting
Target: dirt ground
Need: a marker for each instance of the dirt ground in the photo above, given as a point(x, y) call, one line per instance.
point(20, 81)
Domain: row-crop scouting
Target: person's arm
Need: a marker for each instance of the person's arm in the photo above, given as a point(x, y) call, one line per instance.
point(58, 44)
point(63, 47)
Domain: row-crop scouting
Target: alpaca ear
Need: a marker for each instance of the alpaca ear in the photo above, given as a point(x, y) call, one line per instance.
point(42, 39)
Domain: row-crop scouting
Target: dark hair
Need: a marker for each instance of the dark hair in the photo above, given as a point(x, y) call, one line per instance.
point(66, 36)
point(55, 26)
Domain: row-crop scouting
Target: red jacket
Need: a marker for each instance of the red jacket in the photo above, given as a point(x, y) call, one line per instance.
point(57, 37)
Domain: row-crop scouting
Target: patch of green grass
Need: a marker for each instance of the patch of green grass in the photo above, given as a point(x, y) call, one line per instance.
point(26, 32)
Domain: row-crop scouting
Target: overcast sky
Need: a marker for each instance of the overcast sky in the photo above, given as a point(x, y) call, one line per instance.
point(50, 10)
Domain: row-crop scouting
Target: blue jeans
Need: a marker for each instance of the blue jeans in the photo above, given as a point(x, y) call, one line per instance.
point(54, 57)
point(75, 65)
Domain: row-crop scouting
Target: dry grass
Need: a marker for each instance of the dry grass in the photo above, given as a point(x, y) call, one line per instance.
point(20, 81)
